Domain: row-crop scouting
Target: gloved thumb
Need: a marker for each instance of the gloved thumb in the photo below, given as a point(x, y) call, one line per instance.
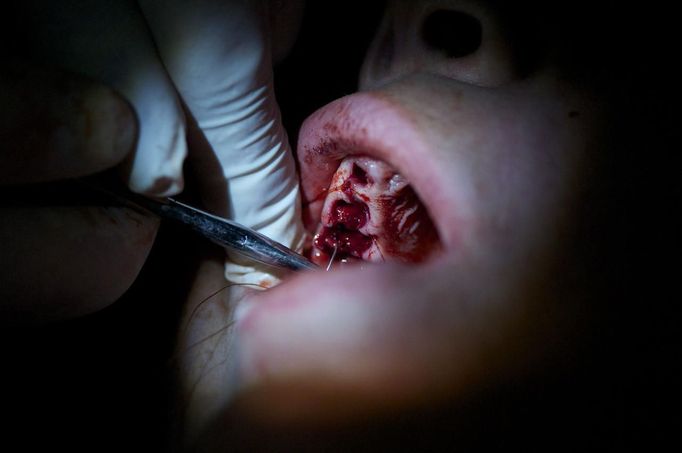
point(57, 125)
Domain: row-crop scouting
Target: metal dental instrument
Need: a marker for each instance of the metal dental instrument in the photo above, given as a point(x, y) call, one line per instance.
point(229, 234)
point(226, 233)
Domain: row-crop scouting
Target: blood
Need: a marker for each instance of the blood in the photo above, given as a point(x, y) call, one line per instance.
point(346, 242)
point(409, 238)
point(400, 229)
point(347, 188)
point(347, 218)
point(352, 216)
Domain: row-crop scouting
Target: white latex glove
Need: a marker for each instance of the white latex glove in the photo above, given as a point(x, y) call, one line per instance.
point(214, 57)
point(218, 55)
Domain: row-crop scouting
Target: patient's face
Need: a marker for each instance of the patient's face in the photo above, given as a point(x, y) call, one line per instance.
point(455, 198)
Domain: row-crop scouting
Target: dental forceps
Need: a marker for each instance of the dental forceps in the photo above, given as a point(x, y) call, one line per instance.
point(226, 233)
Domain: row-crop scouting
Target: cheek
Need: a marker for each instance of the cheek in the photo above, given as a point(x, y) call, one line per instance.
point(511, 163)
point(498, 171)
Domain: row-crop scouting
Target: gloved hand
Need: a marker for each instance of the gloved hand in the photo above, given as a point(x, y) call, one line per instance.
point(206, 64)
point(57, 260)
point(218, 56)
point(197, 71)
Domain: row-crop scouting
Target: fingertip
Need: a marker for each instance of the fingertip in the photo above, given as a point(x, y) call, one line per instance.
point(89, 256)
point(156, 167)
point(112, 126)
point(157, 185)
point(56, 124)
point(162, 180)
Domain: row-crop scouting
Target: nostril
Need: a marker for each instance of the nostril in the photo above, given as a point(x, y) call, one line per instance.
point(454, 33)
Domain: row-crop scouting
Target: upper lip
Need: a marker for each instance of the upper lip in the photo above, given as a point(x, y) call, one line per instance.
point(373, 125)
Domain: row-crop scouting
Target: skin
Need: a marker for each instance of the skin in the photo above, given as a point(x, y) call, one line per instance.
point(510, 151)
point(492, 341)
point(57, 124)
point(86, 128)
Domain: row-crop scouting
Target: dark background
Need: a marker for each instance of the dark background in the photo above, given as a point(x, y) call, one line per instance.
point(104, 382)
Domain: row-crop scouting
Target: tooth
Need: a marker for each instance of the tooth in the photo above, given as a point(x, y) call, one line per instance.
point(394, 224)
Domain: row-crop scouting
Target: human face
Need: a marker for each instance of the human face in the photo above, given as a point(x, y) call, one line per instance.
point(502, 141)
point(507, 144)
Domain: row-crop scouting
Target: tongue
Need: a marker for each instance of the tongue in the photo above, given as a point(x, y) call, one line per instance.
point(371, 213)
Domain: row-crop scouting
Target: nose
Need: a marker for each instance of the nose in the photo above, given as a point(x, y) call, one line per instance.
point(465, 40)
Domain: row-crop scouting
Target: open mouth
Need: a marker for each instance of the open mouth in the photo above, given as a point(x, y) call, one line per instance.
point(371, 213)
point(359, 203)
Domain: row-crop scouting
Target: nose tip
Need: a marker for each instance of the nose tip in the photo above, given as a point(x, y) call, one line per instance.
point(460, 40)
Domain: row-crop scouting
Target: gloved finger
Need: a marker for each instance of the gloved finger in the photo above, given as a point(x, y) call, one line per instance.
point(57, 125)
point(109, 41)
point(217, 53)
point(60, 262)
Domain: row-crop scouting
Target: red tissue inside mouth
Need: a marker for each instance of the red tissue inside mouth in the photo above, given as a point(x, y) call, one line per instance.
point(343, 235)
point(371, 213)
point(352, 215)
point(346, 242)
point(408, 233)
